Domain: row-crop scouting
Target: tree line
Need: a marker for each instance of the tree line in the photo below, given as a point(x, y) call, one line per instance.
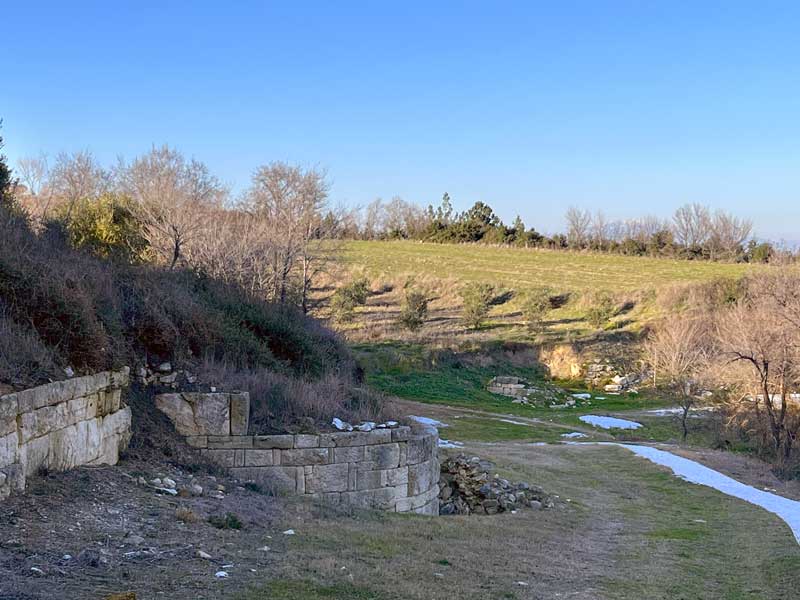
point(693, 232)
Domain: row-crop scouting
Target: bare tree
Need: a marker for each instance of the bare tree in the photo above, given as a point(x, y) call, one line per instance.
point(678, 351)
point(75, 177)
point(759, 339)
point(691, 226)
point(172, 197)
point(291, 200)
point(728, 235)
point(578, 226)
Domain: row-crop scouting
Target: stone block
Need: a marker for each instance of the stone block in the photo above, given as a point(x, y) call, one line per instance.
point(414, 502)
point(258, 458)
point(277, 480)
point(351, 454)
point(379, 436)
point(305, 456)
point(383, 456)
point(273, 441)
point(423, 476)
point(8, 414)
point(230, 441)
point(401, 434)
point(369, 480)
point(344, 439)
point(396, 477)
point(329, 478)
point(239, 458)
point(302, 440)
point(240, 413)
point(197, 413)
point(421, 448)
point(223, 458)
point(382, 499)
point(9, 451)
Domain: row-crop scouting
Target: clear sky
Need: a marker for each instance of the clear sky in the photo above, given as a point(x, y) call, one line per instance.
point(631, 107)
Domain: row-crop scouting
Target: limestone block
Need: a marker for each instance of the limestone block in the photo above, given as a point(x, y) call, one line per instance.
point(196, 413)
point(401, 434)
point(76, 445)
point(8, 414)
point(230, 441)
point(240, 413)
point(239, 458)
point(9, 453)
point(273, 441)
point(329, 478)
point(258, 458)
point(383, 456)
point(222, 457)
point(431, 509)
point(396, 477)
point(423, 476)
point(33, 455)
point(302, 440)
point(305, 456)
point(414, 502)
point(278, 480)
point(379, 436)
point(369, 480)
point(344, 439)
point(419, 449)
point(383, 499)
point(352, 454)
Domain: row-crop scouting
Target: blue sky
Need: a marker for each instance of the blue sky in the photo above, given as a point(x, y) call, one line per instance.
point(629, 107)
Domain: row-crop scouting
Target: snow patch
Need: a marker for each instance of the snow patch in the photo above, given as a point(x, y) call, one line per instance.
point(693, 472)
point(450, 444)
point(514, 422)
point(609, 422)
point(582, 396)
point(574, 434)
point(428, 421)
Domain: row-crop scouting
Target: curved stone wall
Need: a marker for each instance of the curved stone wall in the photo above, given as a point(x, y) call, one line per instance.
point(390, 469)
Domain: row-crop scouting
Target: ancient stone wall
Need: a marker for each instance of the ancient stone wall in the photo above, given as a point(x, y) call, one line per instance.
point(62, 425)
point(393, 469)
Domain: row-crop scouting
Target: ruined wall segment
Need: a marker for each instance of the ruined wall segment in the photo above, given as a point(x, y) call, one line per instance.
point(393, 469)
point(62, 425)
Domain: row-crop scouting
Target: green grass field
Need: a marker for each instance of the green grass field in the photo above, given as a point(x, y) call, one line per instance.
point(521, 268)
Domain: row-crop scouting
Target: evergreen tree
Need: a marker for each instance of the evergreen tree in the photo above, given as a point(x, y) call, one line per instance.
point(6, 181)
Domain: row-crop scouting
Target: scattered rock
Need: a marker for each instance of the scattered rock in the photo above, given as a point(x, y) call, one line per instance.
point(289, 532)
point(169, 483)
point(203, 555)
point(69, 372)
point(221, 574)
point(466, 487)
point(165, 367)
point(37, 571)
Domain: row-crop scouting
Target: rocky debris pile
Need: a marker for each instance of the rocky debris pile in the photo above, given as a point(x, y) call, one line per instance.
point(185, 487)
point(365, 426)
point(524, 392)
point(164, 375)
point(606, 376)
point(466, 486)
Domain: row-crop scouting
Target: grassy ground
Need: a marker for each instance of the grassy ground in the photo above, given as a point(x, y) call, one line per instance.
point(639, 286)
point(630, 531)
point(525, 268)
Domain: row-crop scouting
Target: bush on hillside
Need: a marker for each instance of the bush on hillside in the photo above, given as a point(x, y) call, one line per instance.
point(413, 310)
point(601, 310)
point(535, 306)
point(477, 300)
point(346, 298)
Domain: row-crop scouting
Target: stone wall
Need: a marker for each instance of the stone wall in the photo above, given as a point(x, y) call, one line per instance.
point(393, 469)
point(62, 425)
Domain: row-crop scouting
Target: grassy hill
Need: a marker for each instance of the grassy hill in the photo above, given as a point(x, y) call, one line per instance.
point(522, 268)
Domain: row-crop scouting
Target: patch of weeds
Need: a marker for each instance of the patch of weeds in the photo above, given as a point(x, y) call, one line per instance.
point(444, 562)
point(228, 521)
point(284, 589)
point(252, 486)
point(677, 533)
point(186, 515)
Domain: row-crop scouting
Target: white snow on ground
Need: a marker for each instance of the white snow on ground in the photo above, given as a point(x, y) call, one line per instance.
point(449, 444)
point(609, 422)
point(427, 421)
point(573, 434)
point(693, 472)
point(514, 422)
point(582, 396)
point(663, 412)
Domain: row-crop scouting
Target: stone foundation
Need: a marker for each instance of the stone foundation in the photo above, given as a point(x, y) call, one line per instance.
point(390, 469)
point(62, 425)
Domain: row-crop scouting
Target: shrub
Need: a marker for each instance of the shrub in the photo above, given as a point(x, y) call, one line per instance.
point(535, 306)
point(601, 310)
point(226, 521)
point(413, 310)
point(25, 359)
point(477, 300)
point(346, 298)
